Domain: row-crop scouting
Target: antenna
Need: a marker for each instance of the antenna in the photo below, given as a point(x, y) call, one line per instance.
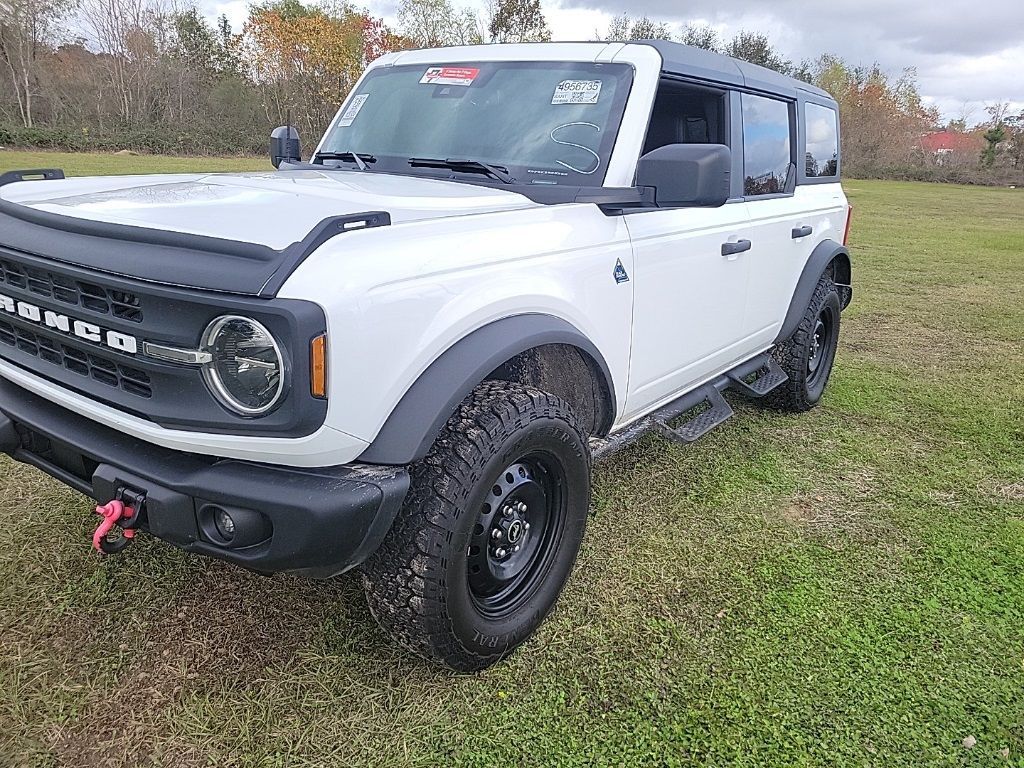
point(288, 133)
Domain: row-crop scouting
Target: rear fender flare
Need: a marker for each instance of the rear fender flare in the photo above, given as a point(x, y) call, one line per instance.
point(824, 254)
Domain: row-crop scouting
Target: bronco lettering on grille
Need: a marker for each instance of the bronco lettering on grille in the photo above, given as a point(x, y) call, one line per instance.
point(122, 342)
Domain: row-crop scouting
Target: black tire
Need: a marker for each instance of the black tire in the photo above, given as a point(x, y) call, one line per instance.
point(808, 355)
point(437, 583)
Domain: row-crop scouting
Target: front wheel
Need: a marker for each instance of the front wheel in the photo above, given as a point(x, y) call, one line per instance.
point(489, 532)
point(807, 356)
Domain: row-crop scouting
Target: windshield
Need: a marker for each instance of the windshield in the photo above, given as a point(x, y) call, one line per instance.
point(543, 122)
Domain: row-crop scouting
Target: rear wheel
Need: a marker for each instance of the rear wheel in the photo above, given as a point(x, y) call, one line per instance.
point(489, 532)
point(808, 355)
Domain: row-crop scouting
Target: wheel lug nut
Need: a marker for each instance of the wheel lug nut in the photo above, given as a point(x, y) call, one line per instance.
point(522, 507)
point(526, 526)
point(495, 534)
point(516, 549)
point(500, 553)
point(509, 512)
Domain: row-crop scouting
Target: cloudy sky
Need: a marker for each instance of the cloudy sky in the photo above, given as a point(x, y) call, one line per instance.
point(967, 54)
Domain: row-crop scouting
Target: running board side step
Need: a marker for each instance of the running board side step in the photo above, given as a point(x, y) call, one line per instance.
point(757, 377)
point(754, 378)
point(717, 411)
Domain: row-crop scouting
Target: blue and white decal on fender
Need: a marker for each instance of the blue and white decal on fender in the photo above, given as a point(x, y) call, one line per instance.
point(621, 276)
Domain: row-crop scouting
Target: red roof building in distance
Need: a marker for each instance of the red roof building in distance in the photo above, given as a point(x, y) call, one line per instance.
point(949, 142)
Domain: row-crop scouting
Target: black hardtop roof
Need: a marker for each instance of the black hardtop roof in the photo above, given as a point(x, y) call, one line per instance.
point(689, 60)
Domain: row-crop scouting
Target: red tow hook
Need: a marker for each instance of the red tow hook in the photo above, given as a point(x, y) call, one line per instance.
point(117, 514)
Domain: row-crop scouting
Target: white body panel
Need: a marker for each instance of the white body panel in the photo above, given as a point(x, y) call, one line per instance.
point(392, 315)
point(460, 256)
point(690, 300)
point(777, 259)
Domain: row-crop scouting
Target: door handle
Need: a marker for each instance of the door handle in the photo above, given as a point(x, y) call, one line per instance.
point(802, 232)
point(731, 249)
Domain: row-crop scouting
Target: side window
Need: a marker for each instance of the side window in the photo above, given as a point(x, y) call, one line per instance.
point(822, 153)
point(767, 156)
point(686, 114)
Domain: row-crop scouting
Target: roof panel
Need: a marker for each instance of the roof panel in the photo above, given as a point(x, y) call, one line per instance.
point(689, 60)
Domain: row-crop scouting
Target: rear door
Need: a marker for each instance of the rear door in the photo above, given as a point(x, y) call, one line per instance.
point(791, 208)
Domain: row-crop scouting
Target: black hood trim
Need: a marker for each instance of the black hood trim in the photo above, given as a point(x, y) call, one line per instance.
point(169, 258)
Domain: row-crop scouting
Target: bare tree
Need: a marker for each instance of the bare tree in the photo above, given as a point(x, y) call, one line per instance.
point(26, 26)
point(434, 23)
point(624, 27)
point(128, 31)
point(757, 49)
point(518, 21)
point(701, 36)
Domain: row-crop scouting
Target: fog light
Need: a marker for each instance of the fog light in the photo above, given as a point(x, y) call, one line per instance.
point(233, 527)
point(225, 524)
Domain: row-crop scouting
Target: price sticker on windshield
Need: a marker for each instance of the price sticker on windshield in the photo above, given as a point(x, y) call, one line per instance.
point(577, 92)
point(450, 76)
point(353, 110)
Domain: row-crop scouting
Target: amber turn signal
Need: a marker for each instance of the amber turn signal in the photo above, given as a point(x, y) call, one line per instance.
point(318, 367)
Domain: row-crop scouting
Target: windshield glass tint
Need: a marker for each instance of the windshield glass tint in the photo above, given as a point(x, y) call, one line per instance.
point(546, 122)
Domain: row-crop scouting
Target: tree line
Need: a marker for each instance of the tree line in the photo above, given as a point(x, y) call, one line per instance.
point(152, 75)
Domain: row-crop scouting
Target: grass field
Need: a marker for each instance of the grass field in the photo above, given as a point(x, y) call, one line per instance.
point(840, 588)
point(97, 163)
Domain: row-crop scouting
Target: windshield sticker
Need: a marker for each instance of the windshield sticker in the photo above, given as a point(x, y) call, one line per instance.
point(577, 92)
point(353, 110)
point(450, 76)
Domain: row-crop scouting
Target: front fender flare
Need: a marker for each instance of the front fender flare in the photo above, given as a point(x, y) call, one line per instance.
point(824, 254)
point(415, 422)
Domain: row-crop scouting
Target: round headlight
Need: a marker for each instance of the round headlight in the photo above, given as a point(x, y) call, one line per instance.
point(246, 370)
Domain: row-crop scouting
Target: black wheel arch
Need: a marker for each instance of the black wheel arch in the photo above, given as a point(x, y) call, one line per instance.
point(488, 352)
point(827, 254)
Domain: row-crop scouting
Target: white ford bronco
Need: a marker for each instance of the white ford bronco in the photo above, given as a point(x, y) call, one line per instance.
point(501, 263)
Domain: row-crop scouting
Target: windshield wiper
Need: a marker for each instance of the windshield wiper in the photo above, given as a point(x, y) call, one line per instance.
point(472, 166)
point(360, 159)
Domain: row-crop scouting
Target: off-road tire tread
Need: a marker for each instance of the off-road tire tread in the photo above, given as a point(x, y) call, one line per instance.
point(791, 354)
point(404, 579)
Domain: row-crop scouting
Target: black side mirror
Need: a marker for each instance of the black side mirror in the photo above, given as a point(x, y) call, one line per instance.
point(689, 175)
point(285, 146)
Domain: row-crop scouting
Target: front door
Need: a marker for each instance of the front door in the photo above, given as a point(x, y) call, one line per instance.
point(689, 299)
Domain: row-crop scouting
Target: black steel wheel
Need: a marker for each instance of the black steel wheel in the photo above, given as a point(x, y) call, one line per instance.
point(808, 355)
point(490, 529)
point(822, 346)
point(515, 538)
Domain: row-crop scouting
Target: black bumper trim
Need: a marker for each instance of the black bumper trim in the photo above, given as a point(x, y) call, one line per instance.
point(323, 521)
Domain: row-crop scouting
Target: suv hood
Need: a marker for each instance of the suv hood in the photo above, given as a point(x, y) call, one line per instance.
point(238, 233)
point(272, 209)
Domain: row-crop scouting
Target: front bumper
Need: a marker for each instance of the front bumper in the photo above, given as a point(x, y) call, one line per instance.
point(315, 522)
point(325, 447)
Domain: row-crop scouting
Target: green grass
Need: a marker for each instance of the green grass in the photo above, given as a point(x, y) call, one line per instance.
point(842, 588)
point(101, 163)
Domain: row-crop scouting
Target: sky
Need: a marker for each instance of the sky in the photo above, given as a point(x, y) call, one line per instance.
point(967, 54)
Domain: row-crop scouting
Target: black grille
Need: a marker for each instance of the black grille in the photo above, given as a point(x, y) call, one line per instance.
point(162, 392)
point(108, 372)
point(76, 293)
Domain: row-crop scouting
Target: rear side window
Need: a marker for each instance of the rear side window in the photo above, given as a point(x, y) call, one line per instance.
point(822, 126)
point(767, 156)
